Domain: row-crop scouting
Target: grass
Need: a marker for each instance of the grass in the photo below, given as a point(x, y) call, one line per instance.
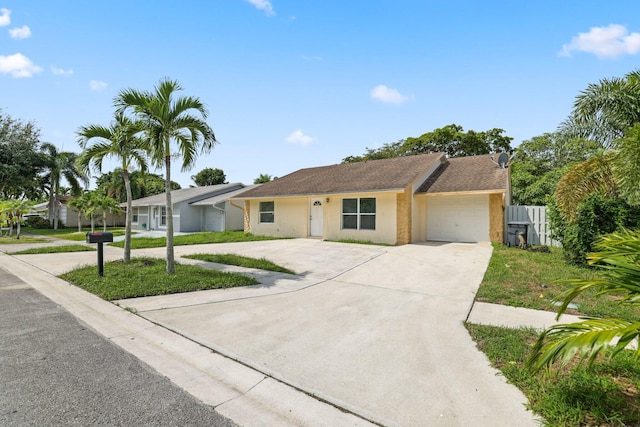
point(54, 250)
point(194, 239)
point(23, 239)
point(606, 395)
point(242, 261)
point(147, 276)
point(72, 233)
point(520, 278)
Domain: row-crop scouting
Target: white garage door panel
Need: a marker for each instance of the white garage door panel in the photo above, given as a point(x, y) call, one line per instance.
point(458, 218)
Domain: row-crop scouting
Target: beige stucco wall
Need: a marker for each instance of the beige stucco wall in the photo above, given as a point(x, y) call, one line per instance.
point(291, 218)
point(386, 215)
point(404, 215)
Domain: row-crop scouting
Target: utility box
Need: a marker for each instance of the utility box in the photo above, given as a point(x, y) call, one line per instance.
point(514, 229)
point(99, 237)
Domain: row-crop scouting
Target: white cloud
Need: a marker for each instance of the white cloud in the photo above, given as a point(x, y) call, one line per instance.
point(388, 95)
point(20, 33)
point(97, 85)
point(604, 42)
point(5, 17)
point(264, 5)
point(61, 71)
point(297, 137)
point(18, 66)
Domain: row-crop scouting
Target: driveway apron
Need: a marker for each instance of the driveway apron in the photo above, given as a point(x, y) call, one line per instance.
point(376, 330)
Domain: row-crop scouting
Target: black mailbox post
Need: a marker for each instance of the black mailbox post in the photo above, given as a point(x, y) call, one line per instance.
point(100, 238)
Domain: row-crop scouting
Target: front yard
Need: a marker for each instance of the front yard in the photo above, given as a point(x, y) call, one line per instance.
point(607, 395)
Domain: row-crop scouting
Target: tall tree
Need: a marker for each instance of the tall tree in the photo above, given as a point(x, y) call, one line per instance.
point(60, 165)
point(263, 178)
point(121, 142)
point(605, 110)
point(209, 176)
point(170, 118)
point(20, 158)
point(541, 161)
point(142, 184)
point(451, 140)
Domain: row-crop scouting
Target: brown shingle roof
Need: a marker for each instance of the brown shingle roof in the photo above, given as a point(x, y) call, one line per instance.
point(374, 175)
point(473, 173)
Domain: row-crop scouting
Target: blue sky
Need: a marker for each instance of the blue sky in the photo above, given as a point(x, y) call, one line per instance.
point(292, 84)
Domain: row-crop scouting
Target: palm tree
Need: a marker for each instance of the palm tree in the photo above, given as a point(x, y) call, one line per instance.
point(119, 140)
point(170, 118)
point(81, 204)
point(605, 110)
point(615, 173)
point(619, 257)
point(60, 165)
point(18, 208)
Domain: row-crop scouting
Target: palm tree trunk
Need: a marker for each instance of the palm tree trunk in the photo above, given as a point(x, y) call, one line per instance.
point(171, 268)
point(104, 221)
point(128, 216)
point(18, 229)
point(79, 221)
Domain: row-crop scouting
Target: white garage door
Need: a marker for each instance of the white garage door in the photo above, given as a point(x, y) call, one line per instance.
point(458, 218)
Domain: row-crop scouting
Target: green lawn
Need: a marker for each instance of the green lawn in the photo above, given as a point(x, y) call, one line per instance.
point(23, 239)
point(523, 278)
point(54, 250)
point(194, 239)
point(147, 276)
point(242, 261)
point(605, 396)
point(72, 233)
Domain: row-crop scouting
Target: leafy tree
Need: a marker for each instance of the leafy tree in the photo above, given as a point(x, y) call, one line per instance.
point(104, 205)
point(142, 184)
point(60, 165)
point(120, 141)
point(20, 158)
point(81, 204)
point(209, 176)
point(169, 118)
point(618, 256)
point(605, 110)
point(451, 140)
point(263, 178)
point(541, 161)
point(12, 211)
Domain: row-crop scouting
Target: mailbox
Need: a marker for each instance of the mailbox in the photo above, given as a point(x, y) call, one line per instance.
point(99, 237)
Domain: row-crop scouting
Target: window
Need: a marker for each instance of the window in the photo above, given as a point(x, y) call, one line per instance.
point(134, 215)
point(163, 216)
point(359, 214)
point(267, 212)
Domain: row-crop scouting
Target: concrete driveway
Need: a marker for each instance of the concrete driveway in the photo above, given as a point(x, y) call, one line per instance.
point(375, 330)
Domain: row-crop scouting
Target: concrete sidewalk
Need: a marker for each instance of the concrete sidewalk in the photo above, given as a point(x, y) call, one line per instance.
point(374, 330)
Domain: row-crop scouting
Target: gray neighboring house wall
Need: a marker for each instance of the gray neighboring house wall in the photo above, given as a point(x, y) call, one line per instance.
point(194, 209)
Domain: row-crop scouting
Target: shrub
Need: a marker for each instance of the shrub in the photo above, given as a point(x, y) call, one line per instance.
point(597, 215)
point(38, 222)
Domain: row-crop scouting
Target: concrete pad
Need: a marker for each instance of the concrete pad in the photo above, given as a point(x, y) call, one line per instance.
point(389, 347)
point(516, 317)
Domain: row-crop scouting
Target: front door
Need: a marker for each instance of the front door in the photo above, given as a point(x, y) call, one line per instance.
point(315, 218)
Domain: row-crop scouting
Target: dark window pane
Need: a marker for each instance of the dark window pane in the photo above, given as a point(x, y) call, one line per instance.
point(367, 222)
point(266, 206)
point(368, 205)
point(349, 205)
point(266, 217)
point(350, 222)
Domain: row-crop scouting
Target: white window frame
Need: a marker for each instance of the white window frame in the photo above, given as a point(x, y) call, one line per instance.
point(271, 212)
point(359, 214)
point(135, 215)
point(163, 216)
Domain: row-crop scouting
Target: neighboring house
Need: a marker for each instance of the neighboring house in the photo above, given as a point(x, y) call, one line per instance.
point(69, 216)
point(395, 201)
point(194, 209)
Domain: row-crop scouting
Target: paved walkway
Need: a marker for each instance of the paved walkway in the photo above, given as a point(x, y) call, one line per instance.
point(375, 330)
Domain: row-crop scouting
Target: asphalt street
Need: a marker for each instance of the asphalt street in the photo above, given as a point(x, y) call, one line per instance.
point(54, 370)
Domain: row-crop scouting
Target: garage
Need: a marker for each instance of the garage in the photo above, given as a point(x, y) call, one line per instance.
point(458, 218)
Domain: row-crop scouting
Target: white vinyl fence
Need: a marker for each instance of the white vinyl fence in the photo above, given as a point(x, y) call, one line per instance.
point(539, 233)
